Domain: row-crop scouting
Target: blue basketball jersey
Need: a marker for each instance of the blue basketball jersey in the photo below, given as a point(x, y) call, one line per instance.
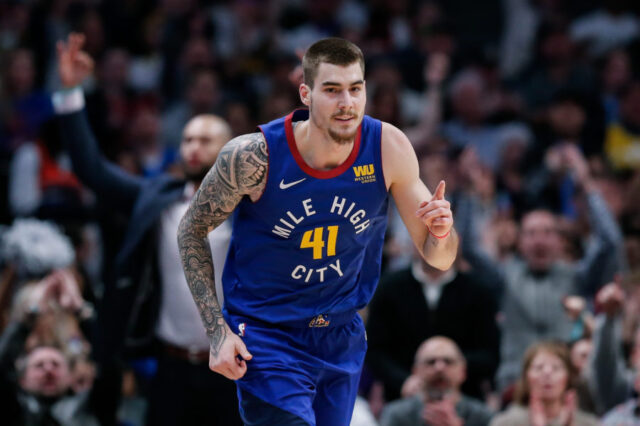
point(312, 244)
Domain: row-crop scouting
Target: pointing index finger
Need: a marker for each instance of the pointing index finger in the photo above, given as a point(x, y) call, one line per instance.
point(438, 194)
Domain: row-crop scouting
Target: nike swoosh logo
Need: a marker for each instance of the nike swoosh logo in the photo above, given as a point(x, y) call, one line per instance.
point(290, 184)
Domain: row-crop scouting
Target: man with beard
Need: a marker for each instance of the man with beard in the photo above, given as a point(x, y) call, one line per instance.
point(309, 194)
point(440, 366)
point(132, 313)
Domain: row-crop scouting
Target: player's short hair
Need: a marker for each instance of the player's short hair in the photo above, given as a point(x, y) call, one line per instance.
point(333, 50)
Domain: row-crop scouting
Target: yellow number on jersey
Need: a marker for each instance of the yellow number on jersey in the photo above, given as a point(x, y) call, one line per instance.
point(317, 242)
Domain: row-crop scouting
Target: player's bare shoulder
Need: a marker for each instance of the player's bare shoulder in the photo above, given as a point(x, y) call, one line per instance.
point(242, 164)
point(399, 160)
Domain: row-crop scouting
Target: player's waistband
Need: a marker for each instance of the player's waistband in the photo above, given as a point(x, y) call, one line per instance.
point(322, 320)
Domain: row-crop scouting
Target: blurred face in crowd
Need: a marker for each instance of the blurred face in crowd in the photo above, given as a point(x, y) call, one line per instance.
point(82, 376)
point(337, 100)
point(441, 366)
point(630, 106)
point(197, 53)
point(145, 128)
point(203, 92)
point(202, 139)
point(115, 68)
point(539, 242)
point(547, 376)
point(557, 47)
point(617, 71)
point(467, 99)
point(580, 354)
point(567, 119)
point(46, 373)
point(21, 73)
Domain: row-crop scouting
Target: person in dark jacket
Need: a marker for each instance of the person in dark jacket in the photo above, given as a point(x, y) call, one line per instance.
point(419, 302)
point(133, 312)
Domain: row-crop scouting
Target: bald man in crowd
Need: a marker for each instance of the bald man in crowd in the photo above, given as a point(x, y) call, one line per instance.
point(146, 297)
point(441, 368)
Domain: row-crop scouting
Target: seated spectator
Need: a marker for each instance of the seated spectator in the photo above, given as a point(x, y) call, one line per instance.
point(418, 302)
point(545, 393)
point(440, 369)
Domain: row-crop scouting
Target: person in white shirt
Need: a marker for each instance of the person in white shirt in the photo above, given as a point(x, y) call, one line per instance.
point(184, 391)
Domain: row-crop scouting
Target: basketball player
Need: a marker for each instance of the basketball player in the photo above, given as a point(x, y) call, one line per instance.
point(309, 197)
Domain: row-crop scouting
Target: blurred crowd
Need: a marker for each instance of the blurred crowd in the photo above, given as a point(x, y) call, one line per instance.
point(528, 109)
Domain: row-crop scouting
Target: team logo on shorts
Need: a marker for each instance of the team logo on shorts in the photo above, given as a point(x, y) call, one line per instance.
point(241, 328)
point(319, 321)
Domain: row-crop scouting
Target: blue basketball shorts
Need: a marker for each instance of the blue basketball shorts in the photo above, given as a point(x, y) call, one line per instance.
point(310, 369)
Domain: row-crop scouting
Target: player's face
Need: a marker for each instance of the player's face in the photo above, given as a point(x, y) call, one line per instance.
point(337, 101)
point(202, 140)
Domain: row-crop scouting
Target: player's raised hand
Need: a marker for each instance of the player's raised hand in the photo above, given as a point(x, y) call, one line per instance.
point(74, 65)
point(436, 213)
point(223, 356)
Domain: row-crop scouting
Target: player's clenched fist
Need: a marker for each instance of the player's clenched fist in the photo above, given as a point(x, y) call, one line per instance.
point(436, 213)
point(223, 355)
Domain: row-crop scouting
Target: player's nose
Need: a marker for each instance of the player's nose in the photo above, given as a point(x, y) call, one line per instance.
point(345, 99)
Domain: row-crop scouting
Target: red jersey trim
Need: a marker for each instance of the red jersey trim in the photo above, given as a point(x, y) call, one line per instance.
point(319, 174)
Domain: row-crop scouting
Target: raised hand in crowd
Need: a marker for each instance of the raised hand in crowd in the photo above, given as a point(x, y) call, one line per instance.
point(574, 306)
point(74, 65)
point(413, 385)
point(436, 69)
point(477, 178)
point(59, 289)
point(577, 165)
point(567, 158)
point(610, 299)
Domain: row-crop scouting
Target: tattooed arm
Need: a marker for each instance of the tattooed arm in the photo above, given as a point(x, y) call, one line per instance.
point(240, 170)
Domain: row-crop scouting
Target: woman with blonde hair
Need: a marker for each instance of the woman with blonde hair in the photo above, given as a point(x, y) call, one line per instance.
point(545, 394)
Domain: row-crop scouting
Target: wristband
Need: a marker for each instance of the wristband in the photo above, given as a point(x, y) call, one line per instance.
point(68, 100)
point(440, 237)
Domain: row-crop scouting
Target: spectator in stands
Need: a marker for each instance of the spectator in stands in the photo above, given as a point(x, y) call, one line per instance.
point(621, 144)
point(36, 387)
point(146, 298)
point(419, 302)
point(531, 288)
point(545, 394)
point(440, 369)
point(613, 380)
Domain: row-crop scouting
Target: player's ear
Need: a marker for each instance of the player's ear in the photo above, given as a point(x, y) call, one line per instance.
point(305, 94)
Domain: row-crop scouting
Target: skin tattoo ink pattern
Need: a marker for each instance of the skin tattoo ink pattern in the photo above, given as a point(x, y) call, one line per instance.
point(240, 170)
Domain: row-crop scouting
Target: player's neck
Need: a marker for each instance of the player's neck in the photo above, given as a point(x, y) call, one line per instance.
point(318, 149)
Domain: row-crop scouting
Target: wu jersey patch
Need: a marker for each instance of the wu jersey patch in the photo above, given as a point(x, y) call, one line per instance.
point(364, 174)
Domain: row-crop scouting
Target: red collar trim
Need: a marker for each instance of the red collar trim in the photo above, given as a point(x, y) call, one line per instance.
point(319, 174)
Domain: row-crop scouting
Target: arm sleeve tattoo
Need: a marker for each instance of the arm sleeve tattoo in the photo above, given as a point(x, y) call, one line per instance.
point(240, 170)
